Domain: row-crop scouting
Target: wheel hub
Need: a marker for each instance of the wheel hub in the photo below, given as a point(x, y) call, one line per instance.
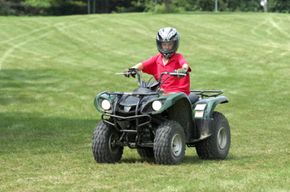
point(222, 138)
point(112, 143)
point(176, 145)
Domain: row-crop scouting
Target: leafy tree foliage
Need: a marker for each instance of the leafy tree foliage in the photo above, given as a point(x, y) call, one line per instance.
point(66, 7)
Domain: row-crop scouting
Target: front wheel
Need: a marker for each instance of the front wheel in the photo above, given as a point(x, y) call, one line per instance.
point(218, 144)
point(169, 144)
point(105, 149)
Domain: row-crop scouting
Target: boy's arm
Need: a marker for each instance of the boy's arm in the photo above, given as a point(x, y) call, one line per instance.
point(148, 65)
point(138, 66)
point(183, 69)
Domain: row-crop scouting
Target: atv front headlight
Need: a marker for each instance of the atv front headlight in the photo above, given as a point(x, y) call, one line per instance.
point(156, 105)
point(106, 105)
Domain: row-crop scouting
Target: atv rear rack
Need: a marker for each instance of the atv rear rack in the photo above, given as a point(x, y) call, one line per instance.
point(131, 93)
point(207, 93)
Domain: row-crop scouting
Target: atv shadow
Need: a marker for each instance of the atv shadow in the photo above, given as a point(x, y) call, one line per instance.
point(188, 159)
point(135, 160)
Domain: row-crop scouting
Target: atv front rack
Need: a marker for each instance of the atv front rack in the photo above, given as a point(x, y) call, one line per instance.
point(105, 117)
point(113, 122)
point(139, 120)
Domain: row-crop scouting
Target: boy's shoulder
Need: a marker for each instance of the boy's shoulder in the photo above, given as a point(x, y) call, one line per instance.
point(179, 54)
point(157, 56)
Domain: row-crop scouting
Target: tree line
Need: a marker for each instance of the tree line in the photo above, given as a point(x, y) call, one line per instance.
point(69, 7)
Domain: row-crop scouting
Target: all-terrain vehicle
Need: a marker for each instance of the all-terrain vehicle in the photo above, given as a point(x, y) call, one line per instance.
point(159, 125)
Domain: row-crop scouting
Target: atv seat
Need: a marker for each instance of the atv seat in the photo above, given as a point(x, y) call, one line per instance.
point(193, 98)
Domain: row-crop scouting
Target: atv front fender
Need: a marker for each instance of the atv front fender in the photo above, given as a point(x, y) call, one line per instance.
point(178, 108)
point(100, 97)
point(168, 101)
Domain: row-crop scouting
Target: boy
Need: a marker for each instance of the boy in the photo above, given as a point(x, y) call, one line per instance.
point(167, 60)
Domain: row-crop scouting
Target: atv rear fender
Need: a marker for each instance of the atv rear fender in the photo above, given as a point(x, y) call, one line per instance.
point(203, 112)
point(210, 105)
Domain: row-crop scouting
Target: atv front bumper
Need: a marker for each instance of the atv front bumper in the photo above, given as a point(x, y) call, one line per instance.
point(140, 121)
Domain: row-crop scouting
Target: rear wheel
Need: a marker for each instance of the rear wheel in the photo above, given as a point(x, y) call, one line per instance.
point(169, 144)
point(218, 144)
point(105, 149)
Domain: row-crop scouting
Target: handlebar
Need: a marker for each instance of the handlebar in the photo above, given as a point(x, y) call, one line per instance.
point(135, 72)
point(175, 74)
point(130, 72)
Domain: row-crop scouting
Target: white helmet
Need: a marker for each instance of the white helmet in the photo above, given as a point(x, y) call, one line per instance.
point(166, 35)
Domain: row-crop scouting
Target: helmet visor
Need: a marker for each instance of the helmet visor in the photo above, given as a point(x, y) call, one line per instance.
point(167, 47)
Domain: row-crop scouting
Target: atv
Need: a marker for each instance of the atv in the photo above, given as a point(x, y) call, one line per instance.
point(160, 125)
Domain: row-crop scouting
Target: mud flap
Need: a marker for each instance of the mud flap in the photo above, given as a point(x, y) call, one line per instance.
point(203, 129)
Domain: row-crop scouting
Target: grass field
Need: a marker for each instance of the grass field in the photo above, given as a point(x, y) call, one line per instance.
point(52, 67)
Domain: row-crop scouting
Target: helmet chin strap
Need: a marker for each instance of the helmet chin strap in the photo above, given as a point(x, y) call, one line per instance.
point(167, 55)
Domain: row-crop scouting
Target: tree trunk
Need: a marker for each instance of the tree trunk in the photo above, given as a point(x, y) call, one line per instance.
point(167, 4)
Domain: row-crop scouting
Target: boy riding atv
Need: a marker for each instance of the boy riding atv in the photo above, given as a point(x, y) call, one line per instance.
point(160, 118)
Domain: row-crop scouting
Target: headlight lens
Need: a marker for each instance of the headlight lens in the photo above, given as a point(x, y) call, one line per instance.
point(106, 105)
point(156, 105)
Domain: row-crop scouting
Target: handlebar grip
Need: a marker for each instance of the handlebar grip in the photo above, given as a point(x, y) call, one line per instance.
point(178, 74)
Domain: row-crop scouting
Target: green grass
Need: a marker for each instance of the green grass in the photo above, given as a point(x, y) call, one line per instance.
point(52, 67)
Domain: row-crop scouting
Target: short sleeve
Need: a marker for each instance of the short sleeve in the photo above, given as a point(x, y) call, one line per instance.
point(181, 61)
point(149, 65)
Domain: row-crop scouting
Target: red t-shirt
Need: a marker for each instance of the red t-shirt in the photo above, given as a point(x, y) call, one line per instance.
point(154, 66)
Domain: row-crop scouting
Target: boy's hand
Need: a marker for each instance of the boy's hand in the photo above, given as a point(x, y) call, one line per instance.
point(130, 72)
point(126, 73)
point(181, 71)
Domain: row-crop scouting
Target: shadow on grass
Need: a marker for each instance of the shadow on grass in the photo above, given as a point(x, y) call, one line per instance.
point(188, 159)
point(17, 85)
point(191, 158)
point(35, 133)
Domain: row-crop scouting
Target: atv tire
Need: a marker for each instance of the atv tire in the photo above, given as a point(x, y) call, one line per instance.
point(146, 153)
point(218, 144)
point(169, 143)
point(104, 145)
